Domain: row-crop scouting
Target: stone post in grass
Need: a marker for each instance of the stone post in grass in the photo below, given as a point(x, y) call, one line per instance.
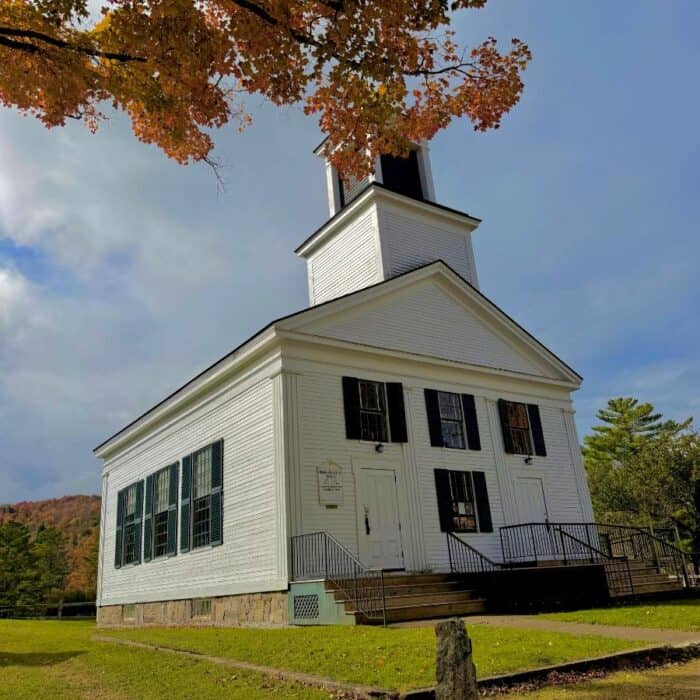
point(456, 675)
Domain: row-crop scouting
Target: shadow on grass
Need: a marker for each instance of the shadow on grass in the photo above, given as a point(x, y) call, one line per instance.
point(8, 658)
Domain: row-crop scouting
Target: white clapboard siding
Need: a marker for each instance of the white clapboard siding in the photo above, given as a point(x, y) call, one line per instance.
point(412, 240)
point(323, 439)
point(348, 262)
point(423, 318)
point(246, 561)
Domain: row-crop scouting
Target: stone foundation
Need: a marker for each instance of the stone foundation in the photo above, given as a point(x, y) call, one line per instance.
point(245, 610)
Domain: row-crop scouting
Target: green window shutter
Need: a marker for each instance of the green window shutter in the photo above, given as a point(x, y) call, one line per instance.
point(482, 502)
point(533, 412)
point(397, 413)
point(119, 531)
point(138, 520)
point(172, 511)
point(217, 483)
point(471, 422)
point(148, 521)
point(185, 524)
point(503, 413)
point(444, 499)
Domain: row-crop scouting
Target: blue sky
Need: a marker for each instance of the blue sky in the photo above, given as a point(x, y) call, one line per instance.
point(123, 274)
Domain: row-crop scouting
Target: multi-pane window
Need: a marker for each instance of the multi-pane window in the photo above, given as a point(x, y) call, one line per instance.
point(451, 419)
point(161, 502)
point(201, 497)
point(463, 512)
point(373, 422)
point(518, 427)
point(131, 530)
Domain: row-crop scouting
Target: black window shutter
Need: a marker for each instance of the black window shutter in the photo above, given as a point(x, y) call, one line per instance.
point(171, 548)
point(433, 410)
point(503, 412)
point(148, 521)
point(119, 531)
point(533, 412)
point(217, 482)
point(397, 413)
point(471, 422)
point(185, 504)
point(351, 401)
point(482, 502)
point(138, 520)
point(444, 499)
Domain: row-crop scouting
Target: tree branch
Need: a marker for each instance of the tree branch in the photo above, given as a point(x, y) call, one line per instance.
point(60, 44)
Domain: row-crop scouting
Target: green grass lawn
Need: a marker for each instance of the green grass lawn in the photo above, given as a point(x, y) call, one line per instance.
point(388, 658)
point(681, 682)
point(59, 661)
point(675, 615)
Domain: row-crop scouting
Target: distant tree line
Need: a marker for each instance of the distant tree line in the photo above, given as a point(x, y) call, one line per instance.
point(34, 570)
point(644, 470)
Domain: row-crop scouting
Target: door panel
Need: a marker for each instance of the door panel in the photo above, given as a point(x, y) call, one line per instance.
point(530, 500)
point(380, 531)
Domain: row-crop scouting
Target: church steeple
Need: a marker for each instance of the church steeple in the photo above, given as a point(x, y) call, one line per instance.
point(384, 225)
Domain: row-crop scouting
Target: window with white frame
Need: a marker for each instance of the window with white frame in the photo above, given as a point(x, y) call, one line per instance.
point(463, 510)
point(131, 531)
point(451, 419)
point(373, 420)
point(161, 502)
point(518, 427)
point(201, 497)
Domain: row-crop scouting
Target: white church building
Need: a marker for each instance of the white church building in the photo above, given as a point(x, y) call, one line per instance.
point(358, 459)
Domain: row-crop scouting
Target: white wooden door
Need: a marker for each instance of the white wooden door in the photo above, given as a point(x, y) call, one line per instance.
point(529, 496)
point(380, 530)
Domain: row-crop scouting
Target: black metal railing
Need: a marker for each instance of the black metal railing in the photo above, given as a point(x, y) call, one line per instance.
point(618, 572)
point(319, 555)
point(464, 559)
point(535, 543)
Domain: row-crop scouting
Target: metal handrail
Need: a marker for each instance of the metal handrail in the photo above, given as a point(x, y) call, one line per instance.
point(465, 559)
point(612, 565)
point(320, 555)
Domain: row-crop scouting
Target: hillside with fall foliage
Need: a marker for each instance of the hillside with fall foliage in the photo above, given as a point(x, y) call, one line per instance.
point(77, 518)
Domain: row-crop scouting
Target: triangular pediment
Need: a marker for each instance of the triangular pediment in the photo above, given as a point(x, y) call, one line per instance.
point(433, 312)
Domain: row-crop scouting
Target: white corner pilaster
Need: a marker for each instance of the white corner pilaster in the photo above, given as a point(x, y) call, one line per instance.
point(579, 470)
point(415, 532)
point(505, 483)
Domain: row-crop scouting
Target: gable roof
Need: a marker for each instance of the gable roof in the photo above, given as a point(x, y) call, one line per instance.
point(325, 308)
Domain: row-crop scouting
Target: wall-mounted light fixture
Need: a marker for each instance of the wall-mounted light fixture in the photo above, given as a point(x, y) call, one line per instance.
point(528, 459)
point(379, 447)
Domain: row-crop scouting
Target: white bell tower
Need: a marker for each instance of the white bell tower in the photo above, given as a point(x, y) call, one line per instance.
point(384, 225)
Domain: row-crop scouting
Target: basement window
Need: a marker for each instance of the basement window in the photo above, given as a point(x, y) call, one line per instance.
point(129, 612)
point(201, 607)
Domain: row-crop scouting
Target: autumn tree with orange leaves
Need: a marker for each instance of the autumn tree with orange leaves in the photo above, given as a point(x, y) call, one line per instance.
point(379, 75)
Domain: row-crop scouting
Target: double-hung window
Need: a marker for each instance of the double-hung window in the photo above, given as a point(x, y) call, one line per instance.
point(128, 531)
point(160, 519)
point(373, 422)
point(161, 502)
point(202, 498)
point(451, 419)
point(463, 502)
point(522, 428)
point(131, 545)
point(374, 411)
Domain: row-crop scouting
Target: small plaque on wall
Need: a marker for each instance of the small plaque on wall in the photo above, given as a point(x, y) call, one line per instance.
point(330, 484)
